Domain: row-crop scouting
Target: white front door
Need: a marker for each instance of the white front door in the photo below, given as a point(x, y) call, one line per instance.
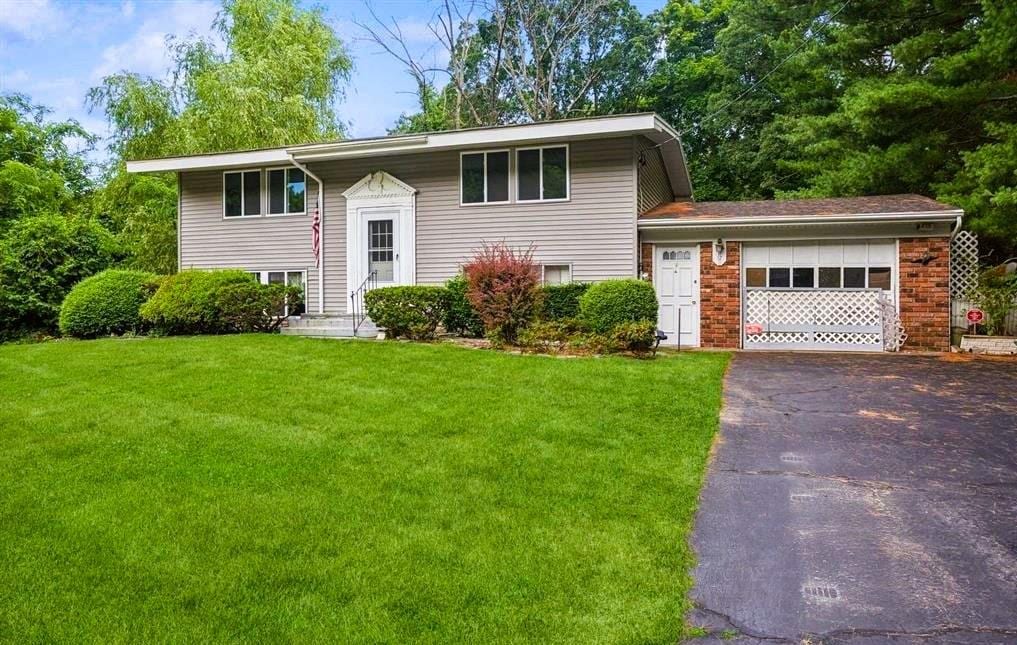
point(381, 246)
point(676, 278)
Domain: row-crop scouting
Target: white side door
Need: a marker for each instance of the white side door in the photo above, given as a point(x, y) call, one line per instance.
point(676, 279)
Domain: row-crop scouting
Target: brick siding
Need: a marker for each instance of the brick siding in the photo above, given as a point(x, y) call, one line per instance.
point(720, 298)
point(925, 292)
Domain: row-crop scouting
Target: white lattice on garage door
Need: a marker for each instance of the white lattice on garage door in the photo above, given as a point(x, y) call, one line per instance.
point(814, 319)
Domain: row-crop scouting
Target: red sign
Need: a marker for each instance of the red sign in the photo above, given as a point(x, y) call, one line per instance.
point(975, 316)
point(753, 329)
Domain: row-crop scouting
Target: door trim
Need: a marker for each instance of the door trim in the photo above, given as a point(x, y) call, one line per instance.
point(694, 250)
point(376, 194)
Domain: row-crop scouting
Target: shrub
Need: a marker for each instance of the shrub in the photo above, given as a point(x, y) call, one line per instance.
point(217, 302)
point(41, 258)
point(607, 304)
point(460, 318)
point(503, 289)
point(553, 336)
point(635, 336)
point(106, 303)
point(561, 301)
point(996, 293)
point(409, 312)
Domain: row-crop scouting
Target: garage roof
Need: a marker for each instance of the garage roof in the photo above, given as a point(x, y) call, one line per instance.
point(878, 207)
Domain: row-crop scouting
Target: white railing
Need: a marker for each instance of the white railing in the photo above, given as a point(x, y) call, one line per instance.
point(834, 319)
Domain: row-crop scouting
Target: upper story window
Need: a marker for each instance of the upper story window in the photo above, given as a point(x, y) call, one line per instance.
point(484, 177)
point(242, 193)
point(286, 191)
point(542, 173)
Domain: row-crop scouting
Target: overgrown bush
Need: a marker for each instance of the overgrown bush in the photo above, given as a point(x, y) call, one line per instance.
point(408, 312)
point(605, 305)
point(635, 337)
point(217, 302)
point(996, 293)
point(107, 303)
point(503, 289)
point(41, 258)
point(460, 318)
point(553, 336)
point(561, 301)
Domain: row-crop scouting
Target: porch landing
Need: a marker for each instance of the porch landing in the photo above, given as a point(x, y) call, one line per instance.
point(328, 326)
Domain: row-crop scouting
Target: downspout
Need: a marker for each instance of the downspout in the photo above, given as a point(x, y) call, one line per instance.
point(956, 227)
point(321, 232)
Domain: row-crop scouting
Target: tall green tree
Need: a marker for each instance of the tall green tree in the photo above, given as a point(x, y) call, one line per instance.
point(277, 82)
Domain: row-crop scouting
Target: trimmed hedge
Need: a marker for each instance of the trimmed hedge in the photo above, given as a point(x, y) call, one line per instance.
point(605, 305)
point(108, 303)
point(216, 302)
point(460, 318)
point(561, 301)
point(409, 312)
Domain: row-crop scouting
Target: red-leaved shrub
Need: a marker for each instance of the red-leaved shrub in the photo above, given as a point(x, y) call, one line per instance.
point(503, 289)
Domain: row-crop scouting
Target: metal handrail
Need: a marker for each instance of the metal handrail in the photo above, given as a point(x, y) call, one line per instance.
point(357, 297)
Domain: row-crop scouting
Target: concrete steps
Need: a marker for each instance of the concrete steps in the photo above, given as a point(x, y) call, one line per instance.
point(328, 326)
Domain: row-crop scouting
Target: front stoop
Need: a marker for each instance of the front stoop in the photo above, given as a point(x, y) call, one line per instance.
point(328, 326)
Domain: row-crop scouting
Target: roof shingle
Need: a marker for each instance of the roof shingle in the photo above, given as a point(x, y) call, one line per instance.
point(825, 207)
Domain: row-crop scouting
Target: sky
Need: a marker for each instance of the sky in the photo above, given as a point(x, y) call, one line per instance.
point(54, 51)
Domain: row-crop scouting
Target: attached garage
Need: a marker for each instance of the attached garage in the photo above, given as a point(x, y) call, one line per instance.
point(814, 274)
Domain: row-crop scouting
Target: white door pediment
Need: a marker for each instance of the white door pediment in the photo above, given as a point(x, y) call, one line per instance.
point(379, 185)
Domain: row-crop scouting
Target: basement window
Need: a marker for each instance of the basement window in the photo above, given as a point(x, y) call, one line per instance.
point(557, 273)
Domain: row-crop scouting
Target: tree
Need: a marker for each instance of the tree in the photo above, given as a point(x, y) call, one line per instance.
point(525, 60)
point(277, 83)
point(39, 171)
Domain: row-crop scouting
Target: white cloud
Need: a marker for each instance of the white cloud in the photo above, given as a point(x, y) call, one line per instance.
point(127, 9)
point(145, 51)
point(30, 19)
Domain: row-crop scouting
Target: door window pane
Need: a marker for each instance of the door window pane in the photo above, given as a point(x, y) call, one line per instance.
point(879, 278)
point(804, 277)
point(473, 178)
point(380, 249)
point(829, 277)
point(854, 277)
point(528, 169)
point(276, 192)
point(232, 190)
point(295, 189)
point(755, 277)
point(554, 168)
point(497, 177)
point(780, 278)
point(252, 193)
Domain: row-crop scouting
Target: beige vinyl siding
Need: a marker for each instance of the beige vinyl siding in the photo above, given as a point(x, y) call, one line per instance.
point(209, 241)
point(654, 185)
point(594, 230)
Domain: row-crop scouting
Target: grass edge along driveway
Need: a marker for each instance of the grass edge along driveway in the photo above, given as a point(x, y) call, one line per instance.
point(274, 488)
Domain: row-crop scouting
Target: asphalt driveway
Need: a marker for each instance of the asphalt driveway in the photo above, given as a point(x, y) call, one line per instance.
point(862, 499)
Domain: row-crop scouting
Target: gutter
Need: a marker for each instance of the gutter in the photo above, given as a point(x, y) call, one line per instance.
point(797, 220)
point(321, 231)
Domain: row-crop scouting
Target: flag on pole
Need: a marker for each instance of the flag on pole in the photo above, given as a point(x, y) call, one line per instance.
point(316, 237)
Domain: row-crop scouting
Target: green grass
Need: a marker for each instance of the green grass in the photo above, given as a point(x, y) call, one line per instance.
point(267, 488)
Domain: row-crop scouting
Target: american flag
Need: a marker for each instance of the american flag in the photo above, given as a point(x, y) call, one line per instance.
point(316, 237)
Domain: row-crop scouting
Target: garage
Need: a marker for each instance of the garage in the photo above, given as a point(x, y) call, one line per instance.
point(818, 294)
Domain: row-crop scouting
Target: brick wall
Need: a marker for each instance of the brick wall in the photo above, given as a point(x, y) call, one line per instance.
point(646, 261)
point(925, 292)
point(720, 298)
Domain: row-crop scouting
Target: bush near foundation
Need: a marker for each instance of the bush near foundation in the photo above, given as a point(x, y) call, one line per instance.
point(408, 312)
point(107, 303)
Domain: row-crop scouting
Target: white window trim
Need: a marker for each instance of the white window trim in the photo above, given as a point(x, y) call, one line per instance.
point(286, 204)
point(263, 279)
point(544, 265)
point(568, 174)
point(243, 197)
point(508, 178)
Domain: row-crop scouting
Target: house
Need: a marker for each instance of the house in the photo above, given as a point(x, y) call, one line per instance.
point(599, 198)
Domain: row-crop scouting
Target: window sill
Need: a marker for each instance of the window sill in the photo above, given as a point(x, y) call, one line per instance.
point(472, 204)
point(544, 201)
point(300, 214)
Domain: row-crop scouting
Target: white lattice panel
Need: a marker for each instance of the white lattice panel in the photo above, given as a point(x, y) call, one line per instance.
point(963, 264)
point(815, 319)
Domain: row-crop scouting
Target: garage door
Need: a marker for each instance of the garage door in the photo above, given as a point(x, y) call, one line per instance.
point(820, 295)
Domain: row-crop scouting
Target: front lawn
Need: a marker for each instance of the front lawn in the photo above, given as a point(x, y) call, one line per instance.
point(266, 488)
